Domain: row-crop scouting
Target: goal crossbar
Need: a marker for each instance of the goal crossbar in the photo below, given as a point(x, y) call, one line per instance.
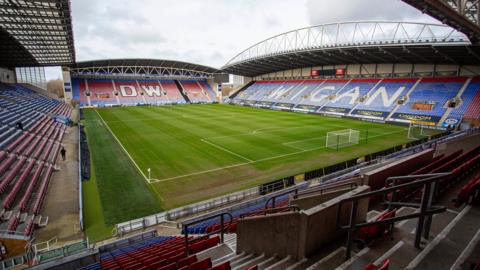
point(342, 138)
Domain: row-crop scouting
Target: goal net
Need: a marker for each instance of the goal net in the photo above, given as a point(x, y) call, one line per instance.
point(342, 138)
point(416, 131)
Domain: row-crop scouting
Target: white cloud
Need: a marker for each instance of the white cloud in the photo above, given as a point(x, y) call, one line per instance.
point(325, 11)
point(208, 32)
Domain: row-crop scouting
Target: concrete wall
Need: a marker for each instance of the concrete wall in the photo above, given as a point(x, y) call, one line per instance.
point(274, 234)
point(7, 76)
point(464, 144)
point(67, 85)
point(378, 69)
point(298, 234)
point(307, 202)
point(321, 228)
point(376, 178)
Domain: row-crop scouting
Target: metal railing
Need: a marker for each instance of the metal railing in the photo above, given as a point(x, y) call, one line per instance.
point(428, 182)
point(273, 199)
point(222, 230)
point(351, 34)
point(326, 187)
point(266, 211)
point(60, 252)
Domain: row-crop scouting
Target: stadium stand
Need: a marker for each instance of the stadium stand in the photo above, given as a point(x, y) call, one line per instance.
point(239, 211)
point(30, 142)
point(430, 97)
point(247, 246)
point(425, 99)
point(159, 253)
point(350, 95)
point(108, 92)
point(197, 92)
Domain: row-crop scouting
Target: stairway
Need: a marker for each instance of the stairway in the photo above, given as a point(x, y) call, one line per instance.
point(243, 260)
point(180, 88)
point(367, 94)
point(447, 248)
point(458, 97)
point(454, 237)
point(408, 97)
point(232, 96)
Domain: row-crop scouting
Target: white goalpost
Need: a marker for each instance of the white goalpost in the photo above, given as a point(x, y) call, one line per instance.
point(416, 131)
point(342, 138)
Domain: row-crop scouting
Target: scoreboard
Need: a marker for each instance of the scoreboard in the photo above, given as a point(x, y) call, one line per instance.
point(328, 72)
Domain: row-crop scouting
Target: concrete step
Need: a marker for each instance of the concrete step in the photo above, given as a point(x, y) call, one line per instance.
point(216, 253)
point(331, 261)
point(399, 246)
point(281, 264)
point(268, 262)
point(252, 262)
point(223, 259)
point(241, 260)
point(447, 247)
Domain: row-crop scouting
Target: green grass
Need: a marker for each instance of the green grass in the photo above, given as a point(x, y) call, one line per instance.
point(197, 152)
point(116, 192)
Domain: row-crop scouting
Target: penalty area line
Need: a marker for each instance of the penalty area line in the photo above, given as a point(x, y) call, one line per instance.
point(226, 150)
point(255, 161)
point(125, 150)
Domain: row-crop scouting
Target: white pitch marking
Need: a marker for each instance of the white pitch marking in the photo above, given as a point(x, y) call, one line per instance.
point(306, 140)
point(251, 162)
point(226, 150)
point(198, 173)
point(267, 130)
point(121, 145)
point(270, 128)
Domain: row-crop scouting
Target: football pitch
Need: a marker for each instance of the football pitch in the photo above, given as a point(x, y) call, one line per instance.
point(149, 159)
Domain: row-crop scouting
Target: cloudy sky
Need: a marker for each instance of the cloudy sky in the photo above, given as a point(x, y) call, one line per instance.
point(208, 32)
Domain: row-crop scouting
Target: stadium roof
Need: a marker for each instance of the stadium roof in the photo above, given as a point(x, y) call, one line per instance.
point(138, 62)
point(356, 43)
point(142, 67)
point(462, 15)
point(36, 33)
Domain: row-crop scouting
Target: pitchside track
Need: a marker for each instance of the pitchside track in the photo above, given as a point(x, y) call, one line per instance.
point(196, 152)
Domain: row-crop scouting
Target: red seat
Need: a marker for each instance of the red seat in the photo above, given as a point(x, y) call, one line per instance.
point(157, 264)
point(368, 233)
point(211, 242)
point(172, 266)
point(18, 184)
point(187, 261)
point(197, 246)
point(201, 265)
point(370, 266)
point(177, 257)
point(232, 228)
point(384, 265)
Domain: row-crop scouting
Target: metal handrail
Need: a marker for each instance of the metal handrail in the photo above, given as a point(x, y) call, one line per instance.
point(323, 188)
point(187, 224)
point(428, 181)
point(269, 211)
point(273, 198)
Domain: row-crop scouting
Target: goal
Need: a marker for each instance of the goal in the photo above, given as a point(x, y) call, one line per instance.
point(416, 131)
point(342, 138)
